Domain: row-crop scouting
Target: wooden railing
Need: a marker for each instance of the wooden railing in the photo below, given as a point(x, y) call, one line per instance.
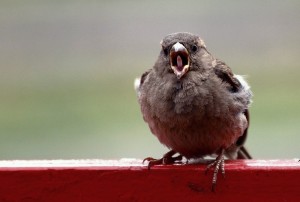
point(130, 180)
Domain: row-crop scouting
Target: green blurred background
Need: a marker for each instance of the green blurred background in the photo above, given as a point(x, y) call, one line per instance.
point(67, 70)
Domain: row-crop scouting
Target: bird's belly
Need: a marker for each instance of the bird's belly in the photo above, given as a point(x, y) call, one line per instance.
point(200, 137)
point(196, 120)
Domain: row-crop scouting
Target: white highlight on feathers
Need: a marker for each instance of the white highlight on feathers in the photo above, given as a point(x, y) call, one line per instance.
point(202, 43)
point(214, 63)
point(137, 83)
point(242, 81)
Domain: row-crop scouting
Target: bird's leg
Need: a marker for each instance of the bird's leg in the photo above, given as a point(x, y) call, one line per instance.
point(166, 159)
point(217, 163)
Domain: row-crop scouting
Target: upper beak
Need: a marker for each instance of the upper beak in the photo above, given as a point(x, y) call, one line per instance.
point(179, 59)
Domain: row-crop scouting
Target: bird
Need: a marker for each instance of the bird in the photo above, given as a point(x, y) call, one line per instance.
point(194, 104)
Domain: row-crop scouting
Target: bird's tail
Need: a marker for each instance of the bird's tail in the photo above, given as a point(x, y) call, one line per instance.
point(243, 153)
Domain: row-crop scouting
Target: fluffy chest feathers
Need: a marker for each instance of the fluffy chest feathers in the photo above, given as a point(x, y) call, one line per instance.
point(195, 116)
point(196, 96)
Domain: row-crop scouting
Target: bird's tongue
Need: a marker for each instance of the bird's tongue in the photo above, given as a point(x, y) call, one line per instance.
point(179, 63)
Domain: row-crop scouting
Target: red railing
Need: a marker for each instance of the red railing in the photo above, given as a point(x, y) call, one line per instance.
point(130, 180)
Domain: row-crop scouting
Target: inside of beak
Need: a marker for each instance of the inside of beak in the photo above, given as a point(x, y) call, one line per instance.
point(179, 59)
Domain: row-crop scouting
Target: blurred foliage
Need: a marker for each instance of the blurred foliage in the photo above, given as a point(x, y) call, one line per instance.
point(67, 71)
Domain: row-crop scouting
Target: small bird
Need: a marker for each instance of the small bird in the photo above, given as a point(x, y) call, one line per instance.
point(194, 104)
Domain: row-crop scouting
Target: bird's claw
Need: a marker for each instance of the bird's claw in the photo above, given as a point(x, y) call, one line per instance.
point(165, 160)
point(216, 163)
point(153, 162)
point(149, 159)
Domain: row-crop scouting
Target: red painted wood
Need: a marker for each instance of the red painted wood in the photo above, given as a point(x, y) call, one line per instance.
point(129, 180)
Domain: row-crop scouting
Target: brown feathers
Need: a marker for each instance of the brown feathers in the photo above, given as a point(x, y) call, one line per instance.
point(192, 102)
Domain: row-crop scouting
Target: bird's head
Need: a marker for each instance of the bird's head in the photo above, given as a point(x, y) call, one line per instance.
point(180, 52)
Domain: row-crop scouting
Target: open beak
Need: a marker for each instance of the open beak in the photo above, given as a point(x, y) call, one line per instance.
point(179, 59)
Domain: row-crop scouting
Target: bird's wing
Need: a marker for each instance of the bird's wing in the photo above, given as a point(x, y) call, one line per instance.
point(226, 75)
point(236, 83)
point(144, 76)
point(242, 152)
point(138, 82)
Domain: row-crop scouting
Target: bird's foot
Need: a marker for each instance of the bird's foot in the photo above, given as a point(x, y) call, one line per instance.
point(166, 159)
point(219, 162)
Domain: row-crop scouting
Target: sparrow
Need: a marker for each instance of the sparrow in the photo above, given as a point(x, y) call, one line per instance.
point(194, 104)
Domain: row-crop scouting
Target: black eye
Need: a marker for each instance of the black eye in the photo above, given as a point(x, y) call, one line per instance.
point(194, 48)
point(165, 51)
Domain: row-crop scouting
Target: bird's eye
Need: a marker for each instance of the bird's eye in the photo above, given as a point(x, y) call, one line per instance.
point(165, 51)
point(194, 48)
